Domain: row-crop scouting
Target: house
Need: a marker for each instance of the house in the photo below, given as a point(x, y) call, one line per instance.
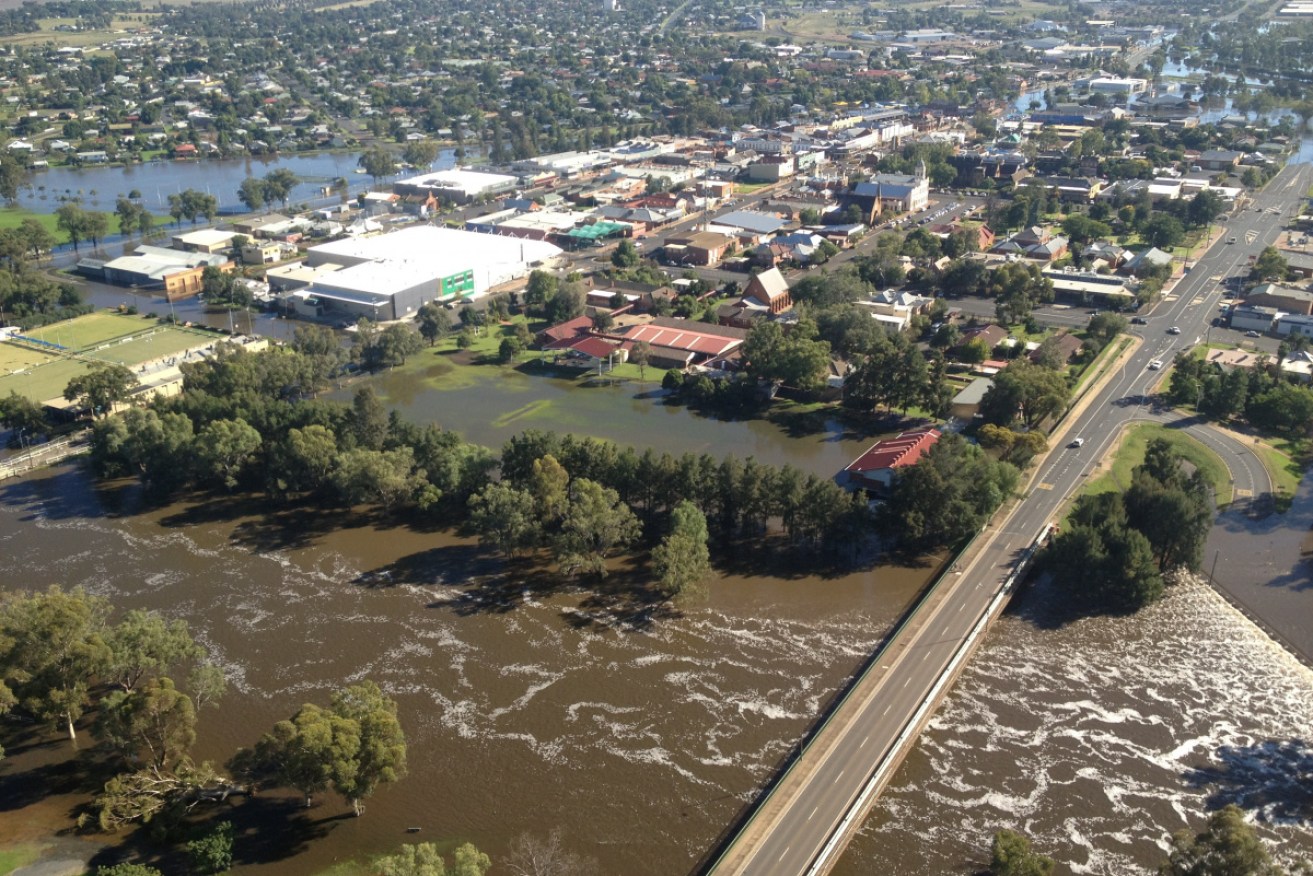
point(1068, 347)
point(876, 468)
point(966, 404)
point(1284, 298)
point(1034, 243)
point(1152, 259)
point(992, 335)
point(185, 150)
point(1219, 159)
point(769, 291)
point(1298, 366)
point(1109, 254)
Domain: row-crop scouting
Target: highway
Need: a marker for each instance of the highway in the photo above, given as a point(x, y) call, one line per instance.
point(803, 824)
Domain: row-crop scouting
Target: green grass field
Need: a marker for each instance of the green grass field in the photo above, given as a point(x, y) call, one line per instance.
point(19, 856)
point(166, 340)
point(84, 332)
point(43, 382)
point(15, 357)
point(1131, 453)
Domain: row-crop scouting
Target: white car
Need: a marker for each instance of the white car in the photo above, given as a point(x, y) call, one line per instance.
point(1174, 330)
point(1155, 364)
point(1079, 442)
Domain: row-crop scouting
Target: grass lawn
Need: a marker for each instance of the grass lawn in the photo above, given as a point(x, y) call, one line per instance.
point(1285, 464)
point(44, 382)
point(15, 357)
point(92, 329)
point(166, 340)
point(19, 856)
point(12, 217)
point(1135, 441)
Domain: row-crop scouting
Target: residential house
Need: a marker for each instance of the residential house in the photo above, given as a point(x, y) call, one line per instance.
point(879, 465)
point(966, 404)
point(704, 248)
point(1069, 346)
point(1151, 259)
point(1219, 159)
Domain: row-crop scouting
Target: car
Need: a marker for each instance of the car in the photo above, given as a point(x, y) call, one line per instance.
point(1253, 334)
point(1139, 320)
point(1155, 364)
point(1232, 240)
point(1079, 442)
point(1174, 330)
point(1094, 312)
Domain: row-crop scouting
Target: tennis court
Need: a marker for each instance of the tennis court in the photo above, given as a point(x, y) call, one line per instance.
point(91, 330)
point(161, 341)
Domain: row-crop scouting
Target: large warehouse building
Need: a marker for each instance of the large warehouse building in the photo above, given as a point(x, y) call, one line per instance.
point(456, 185)
point(390, 276)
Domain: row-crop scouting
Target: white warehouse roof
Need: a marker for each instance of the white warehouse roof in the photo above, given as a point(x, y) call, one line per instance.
point(470, 183)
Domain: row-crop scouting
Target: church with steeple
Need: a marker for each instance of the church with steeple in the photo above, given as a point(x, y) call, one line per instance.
point(888, 191)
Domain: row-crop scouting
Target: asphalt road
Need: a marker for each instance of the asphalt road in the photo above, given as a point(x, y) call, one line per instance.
point(793, 835)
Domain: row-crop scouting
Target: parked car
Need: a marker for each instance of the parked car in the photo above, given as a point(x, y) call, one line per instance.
point(1253, 334)
point(1139, 320)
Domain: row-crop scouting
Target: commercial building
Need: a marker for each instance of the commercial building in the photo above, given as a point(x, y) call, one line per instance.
point(390, 276)
point(456, 186)
point(177, 274)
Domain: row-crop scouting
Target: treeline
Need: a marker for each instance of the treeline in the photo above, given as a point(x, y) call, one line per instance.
point(1113, 554)
point(1265, 401)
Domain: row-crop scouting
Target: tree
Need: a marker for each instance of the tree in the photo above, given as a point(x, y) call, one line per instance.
point(153, 794)
point(398, 342)
point(72, 220)
point(144, 644)
point(252, 192)
point(1081, 229)
point(212, 851)
point(307, 751)
point(1163, 231)
point(640, 354)
point(101, 388)
point(434, 322)
point(504, 518)
point(1227, 846)
point(378, 163)
point(1030, 391)
point(1011, 855)
point(369, 419)
point(533, 855)
point(381, 756)
point(385, 477)
point(279, 183)
point(596, 522)
point(39, 239)
point(625, 255)
point(1017, 289)
point(682, 561)
point(420, 153)
point(22, 415)
point(425, 859)
point(127, 212)
point(224, 448)
point(541, 289)
point(52, 650)
point(794, 359)
point(154, 725)
point(568, 303)
point(128, 870)
point(1270, 265)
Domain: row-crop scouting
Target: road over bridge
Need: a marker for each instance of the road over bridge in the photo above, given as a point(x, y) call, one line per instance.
point(803, 823)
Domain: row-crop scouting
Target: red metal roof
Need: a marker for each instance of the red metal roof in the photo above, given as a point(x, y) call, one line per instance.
point(590, 345)
point(568, 330)
point(689, 340)
point(896, 452)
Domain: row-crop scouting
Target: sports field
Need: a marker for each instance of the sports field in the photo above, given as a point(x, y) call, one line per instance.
point(17, 358)
point(92, 329)
point(42, 382)
point(164, 340)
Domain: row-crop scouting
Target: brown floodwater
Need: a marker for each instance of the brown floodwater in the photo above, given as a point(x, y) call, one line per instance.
point(640, 731)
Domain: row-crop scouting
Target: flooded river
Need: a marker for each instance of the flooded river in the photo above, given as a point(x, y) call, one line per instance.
point(639, 733)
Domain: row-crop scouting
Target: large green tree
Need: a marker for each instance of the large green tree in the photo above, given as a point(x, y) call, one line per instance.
point(505, 518)
point(52, 651)
point(101, 388)
point(1010, 854)
point(1227, 846)
point(595, 524)
point(682, 561)
point(153, 725)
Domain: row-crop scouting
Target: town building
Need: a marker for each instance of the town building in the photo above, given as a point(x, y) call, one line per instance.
point(879, 465)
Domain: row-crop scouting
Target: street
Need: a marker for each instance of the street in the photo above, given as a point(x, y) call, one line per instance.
point(794, 831)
